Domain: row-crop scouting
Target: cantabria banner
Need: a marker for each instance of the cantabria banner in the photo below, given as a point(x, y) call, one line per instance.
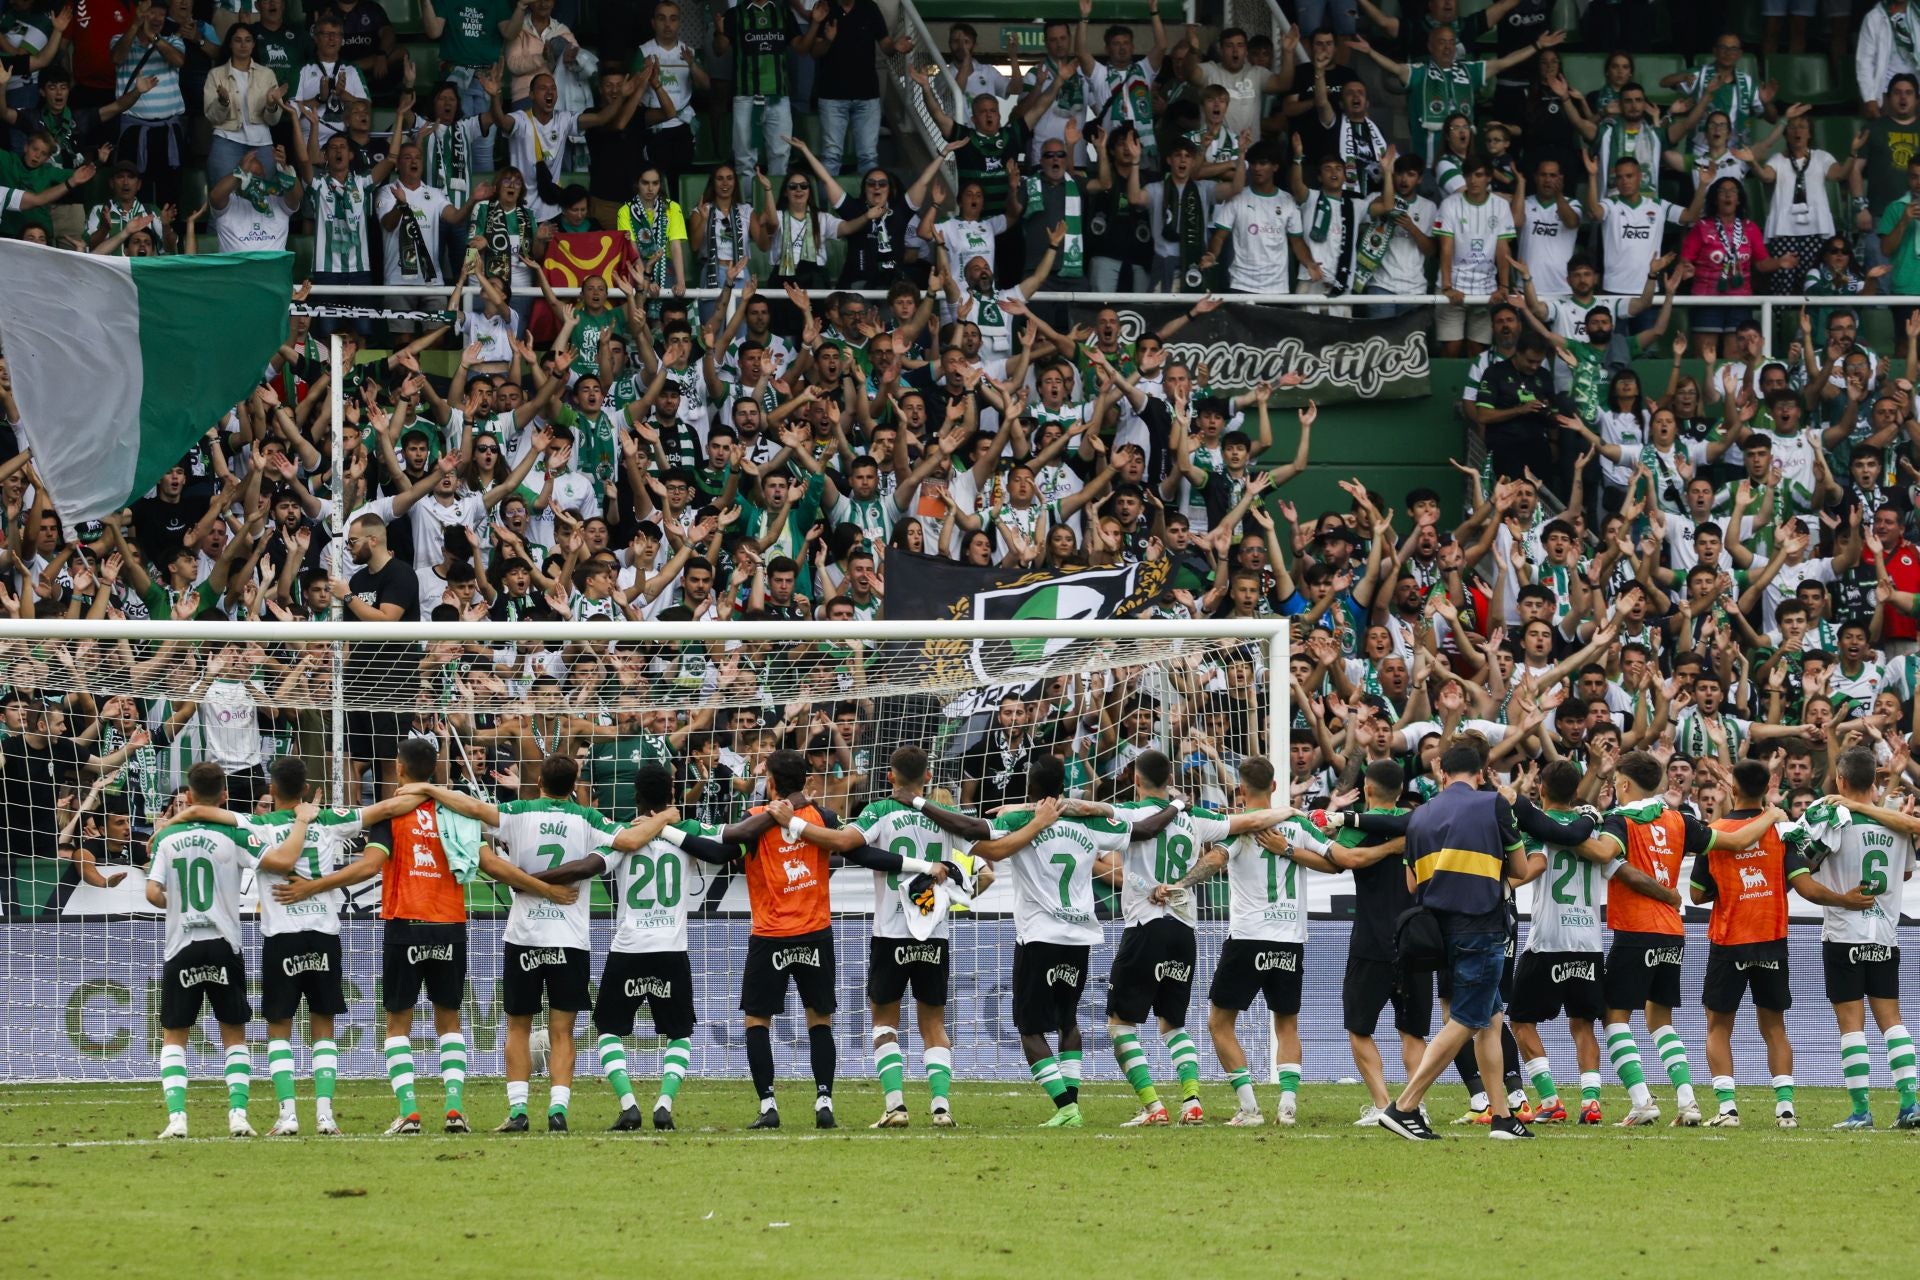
point(1243, 345)
point(933, 588)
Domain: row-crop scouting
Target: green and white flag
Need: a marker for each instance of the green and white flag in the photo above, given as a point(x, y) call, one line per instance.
point(120, 364)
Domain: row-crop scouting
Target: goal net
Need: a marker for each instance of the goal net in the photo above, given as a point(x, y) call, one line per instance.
point(104, 721)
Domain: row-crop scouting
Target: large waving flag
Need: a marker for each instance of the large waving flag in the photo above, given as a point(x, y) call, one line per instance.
point(120, 364)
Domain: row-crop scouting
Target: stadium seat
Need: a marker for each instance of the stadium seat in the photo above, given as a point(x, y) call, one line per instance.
point(1651, 68)
point(1026, 11)
point(1876, 331)
point(1585, 72)
point(1805, 77)
point(405, 16)
point(1744, 18)
point(1834, 134)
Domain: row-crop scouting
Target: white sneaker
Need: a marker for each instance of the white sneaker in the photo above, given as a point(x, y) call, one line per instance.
point(1787, 1120)
point(1687, 1117)
point(1245, 1119)
point(1725, 1120)
point(285, 1127)
point(176, 1125)
point(1152, 1116)
point(945, 1120)
point(1285, 1116)
point(237, 1124)
point(327, 1127)
point(1639, 1117)
point(1369, 1118)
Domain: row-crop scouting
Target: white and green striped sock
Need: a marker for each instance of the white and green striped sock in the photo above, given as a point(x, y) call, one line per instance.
point(1900, 1062)
point(1289, 1073)
point(173, 1077)
point(517, 1094)
point(1540, 1071)
point(1625, 1054)
point(1673, 1056)
point(239, 1077)
point(1855, 1068)
point(558, 1097)
point(938, 1062)
point(400, 1074)
point(1782, 1095)
point(673, 1070)
point(1186, 1061)
point(280, 1068)
point(1046, 1074)
point(453, 1069)
point(326, 1070)
point(890, 1065)
point(1071, 1061)
point(1242, 1081)
point(613, 1061)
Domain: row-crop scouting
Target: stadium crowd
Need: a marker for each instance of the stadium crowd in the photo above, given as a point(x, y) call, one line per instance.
point(1706, 573)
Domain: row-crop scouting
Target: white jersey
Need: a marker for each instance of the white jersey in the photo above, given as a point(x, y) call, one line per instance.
point(200, 866)
point(1261, 227)
point(1861, 855)
point(1476, 231)
point(898, 828)
point(1546, 243)
point(1266, 902)
point(1163, 859)
point(329, 835)
point(1567, 899)
point(539, 835)
point(1631, 234)
point(1053, 877)
point(650, 894)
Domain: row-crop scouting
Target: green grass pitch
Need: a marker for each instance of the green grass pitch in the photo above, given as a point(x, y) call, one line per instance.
point(86, 1191)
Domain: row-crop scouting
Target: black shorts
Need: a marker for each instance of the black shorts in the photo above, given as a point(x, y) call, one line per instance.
point(660, 980)
point(1153, 972)
point(304, 965)
point(208, 970)
point(1643, 968)
point(1729, 977)
point(556, 976)
point(373, 737)
point(420, 953)
point(1048, 979)
point(1369, 986)
point(1860, 970)
point(807, 958)
point(1249, 968)
point(894, 964)
point(1547, 982)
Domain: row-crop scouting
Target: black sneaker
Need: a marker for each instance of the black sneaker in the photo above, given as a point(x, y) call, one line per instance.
point(1509, 1129)
point(663, 1119)
point(1407, 1124)
point(629, 1121)
point(823, 1118)
point(516, 1123)
point(768, 1119)
point(556, 1122)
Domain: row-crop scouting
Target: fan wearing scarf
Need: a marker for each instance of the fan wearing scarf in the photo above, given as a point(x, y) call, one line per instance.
point(537, 137)
point(658, 229)
point(911, 926)
point(411, 214)
point(1179, 208)
point(1048, 204)
point(1726, 249)
point(341, 201)
point(252, 209)
point(1331, 221)
point(1124, 84)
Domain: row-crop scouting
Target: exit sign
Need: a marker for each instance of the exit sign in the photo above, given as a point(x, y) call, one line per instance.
point(1024, 39)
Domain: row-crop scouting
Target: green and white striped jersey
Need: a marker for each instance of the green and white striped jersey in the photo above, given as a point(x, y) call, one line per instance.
point(200, 866)
point(1266, 902)
point(1053, 877)
point(1164, 858)
point(650, 887)
point(898, 828)
point(328, 835)
point(539, 835)
point(1567, 898)
point(340, 222)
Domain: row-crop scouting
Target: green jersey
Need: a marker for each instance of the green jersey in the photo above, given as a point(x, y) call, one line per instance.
point(472, 34)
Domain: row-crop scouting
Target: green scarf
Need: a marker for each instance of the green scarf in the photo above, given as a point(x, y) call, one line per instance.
point(1072, 256)
point(260, 192)
point(1902, 25)
point(1073, 89)
point(1373, 244)
point(1639, 810)
point(650, 237)
point(1130, 101)
point(1183, 220)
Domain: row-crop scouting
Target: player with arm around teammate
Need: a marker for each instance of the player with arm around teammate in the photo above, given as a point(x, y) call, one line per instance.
point(195, 878)
point(1862, 849)
point(647, 961)
point(907, 823)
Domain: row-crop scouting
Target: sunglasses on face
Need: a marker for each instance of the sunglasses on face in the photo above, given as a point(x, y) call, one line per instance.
point(1053, 155)
point(796, 186)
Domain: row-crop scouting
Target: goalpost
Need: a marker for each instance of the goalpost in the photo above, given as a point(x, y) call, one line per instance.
point(81, 963)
